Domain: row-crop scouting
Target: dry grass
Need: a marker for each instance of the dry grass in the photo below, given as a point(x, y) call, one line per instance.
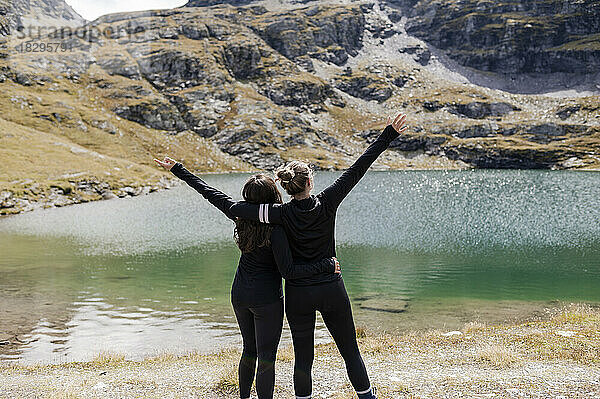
point(228, 380)
point(394, 389)
point(497, 355)
point(550, 346)
point(225, 367)
point(473, 327)
point(285, 353)
point(493, 351)
point(106, 359)
point(344, 392)
point(63, 395)
point(579, 314)
point(378, 344)
point(571, 334)
point(361, 332)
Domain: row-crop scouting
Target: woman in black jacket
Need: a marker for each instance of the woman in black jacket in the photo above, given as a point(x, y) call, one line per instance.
point(256, 293)
point(309, 222)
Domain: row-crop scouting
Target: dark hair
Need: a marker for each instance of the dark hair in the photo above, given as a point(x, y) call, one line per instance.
point(249, 234)
point(294, 176)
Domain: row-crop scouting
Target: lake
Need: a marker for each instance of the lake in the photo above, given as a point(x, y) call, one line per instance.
point(419, 250)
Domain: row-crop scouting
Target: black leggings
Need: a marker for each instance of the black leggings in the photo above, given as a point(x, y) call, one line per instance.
point(261, 330)
point(331, 300)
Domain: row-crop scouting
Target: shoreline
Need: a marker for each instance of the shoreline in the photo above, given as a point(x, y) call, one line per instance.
point(554, 357)
point(10, 206)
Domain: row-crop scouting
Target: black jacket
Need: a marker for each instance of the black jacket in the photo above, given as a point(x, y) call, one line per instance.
point(310, 223)
point(258, 277)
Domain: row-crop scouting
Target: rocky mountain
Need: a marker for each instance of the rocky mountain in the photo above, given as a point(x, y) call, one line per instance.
point(247, 86)
point(514, 36)
point(20, 14)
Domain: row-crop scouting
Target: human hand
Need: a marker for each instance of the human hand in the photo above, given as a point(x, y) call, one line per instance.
point(398, 123)
point(166, 163)
point(338, 268)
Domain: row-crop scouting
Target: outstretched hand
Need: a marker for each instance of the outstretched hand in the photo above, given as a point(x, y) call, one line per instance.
point(399, 123)
point(338, 268)
point(166, 163)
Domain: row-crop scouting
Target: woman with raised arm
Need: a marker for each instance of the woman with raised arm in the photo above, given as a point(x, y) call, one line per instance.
point(256, 293)
point(309, 221)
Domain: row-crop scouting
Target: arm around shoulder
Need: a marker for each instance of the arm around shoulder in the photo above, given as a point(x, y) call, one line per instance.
point(285, 263)
point(264, 213)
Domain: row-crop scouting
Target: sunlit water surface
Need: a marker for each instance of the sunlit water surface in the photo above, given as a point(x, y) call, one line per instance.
point(148, 275)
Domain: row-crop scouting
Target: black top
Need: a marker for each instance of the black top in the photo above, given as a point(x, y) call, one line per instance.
point(310, 223)
point(258, 277)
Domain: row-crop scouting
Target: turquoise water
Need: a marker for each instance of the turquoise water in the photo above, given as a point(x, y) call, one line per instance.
point(419, 250)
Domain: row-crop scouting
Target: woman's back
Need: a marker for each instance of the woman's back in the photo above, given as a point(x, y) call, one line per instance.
point(257, 279)
point(310, 222)
point(259, 272)
point(310, 225)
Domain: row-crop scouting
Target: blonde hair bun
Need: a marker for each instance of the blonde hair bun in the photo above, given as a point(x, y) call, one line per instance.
point(294, 177)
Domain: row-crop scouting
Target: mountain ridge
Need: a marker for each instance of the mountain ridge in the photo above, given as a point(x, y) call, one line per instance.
point(230, 88)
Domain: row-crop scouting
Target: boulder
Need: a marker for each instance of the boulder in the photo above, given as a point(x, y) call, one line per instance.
point(154, 115)
point(419, 53)
point(479, 110)
point(565, 111)
point(297, 91)
point(167, 68)
point(6, 199)
point(365, 86)
point(243, 59)
point(118, 64)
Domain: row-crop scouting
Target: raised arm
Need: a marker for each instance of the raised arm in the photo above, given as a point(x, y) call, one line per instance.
point(289, 270)
point(217, 198)
point(264, 213)
point(336, 192)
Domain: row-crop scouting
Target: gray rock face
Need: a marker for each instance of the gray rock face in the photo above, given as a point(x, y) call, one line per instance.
point(566, 111)
point(468, 132)
point(473, 110)
point(6, 199)
point(290, 92)
point(420, 54)
point(154, 115)
point(365, 87)
point(503, 158)
point(19, 15)
point(242, 59)
point(171, 68)
point(456, 142)
point(547, 132)
point(120, 65)
point(375, 82)
point(478, 110)
point(206, 3)
point(513, 36)
point(201, 109)
point(328, 33)
point(429, 144)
